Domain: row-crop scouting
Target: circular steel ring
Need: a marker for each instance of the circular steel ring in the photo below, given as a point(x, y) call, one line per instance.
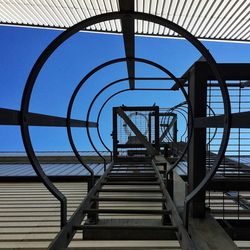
point(96, 69)
point(99, 113)
point(106, 87)
point(105, 17)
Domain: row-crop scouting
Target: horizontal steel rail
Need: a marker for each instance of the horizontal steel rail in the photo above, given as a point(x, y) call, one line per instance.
point(13, 117)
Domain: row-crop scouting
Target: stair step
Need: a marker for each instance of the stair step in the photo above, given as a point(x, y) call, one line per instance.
point(131, 178)
point(133, 163)
point(138, 171)
point(133, 166)
point(131, 183)
point(139, 199)
point(128, 230)
point(132, 175)
point(148, 164)
point(127, 190)
point(127, 227)
point(133, 169)
point(125, 211)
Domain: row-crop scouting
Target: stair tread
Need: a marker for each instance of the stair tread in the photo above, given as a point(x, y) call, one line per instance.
point(131, 183)
point(130, 190)
point(126, 211)
point(153, 199)
point(168, 227)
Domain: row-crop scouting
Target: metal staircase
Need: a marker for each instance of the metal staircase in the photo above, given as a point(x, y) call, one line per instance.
point(136, 208)
point(130, 201)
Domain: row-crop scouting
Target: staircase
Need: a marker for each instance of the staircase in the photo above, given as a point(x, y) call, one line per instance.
point(130, 205)
point(129, 202)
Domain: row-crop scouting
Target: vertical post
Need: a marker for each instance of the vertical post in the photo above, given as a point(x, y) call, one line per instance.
point(197, 147)
point(114, 134)
point(93, 218)
point(150, 127)
point(175, 129)
point(157, 135)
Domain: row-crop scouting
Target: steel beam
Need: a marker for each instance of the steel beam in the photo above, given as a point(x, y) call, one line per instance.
point(197, 90)
point(229, 71)
point(128, 30)
point(12, 117)
point(136, 131)
point(229, 184)
point(239, 120)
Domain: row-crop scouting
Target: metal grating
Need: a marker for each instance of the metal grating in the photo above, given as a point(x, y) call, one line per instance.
point(231, 203)
point(220, 20)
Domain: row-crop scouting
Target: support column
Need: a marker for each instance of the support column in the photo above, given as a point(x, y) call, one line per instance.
point(114, 134)
point(175, 130)
point(157, 136)
point(197, 148)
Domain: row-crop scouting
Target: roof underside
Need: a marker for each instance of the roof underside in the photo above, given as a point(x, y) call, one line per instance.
point(219, 20)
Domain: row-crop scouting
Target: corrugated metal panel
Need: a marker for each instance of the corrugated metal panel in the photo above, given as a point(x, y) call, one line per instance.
point(29, 218)
point(54, 153)
point(69, 169)
point(221, 19)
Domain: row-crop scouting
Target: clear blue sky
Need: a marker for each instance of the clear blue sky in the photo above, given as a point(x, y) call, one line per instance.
point(20, 47)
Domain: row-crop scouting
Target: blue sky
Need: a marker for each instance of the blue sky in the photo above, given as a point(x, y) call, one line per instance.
point(20, 47)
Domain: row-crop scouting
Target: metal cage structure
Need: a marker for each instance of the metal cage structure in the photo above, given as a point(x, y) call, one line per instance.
point(208, 160)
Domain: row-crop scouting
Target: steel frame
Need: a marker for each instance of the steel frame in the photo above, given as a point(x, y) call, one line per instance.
point(81, 84)
point(128, 30)
point(167, 129)
point(153, 150)
point(109, 85)
point(197, 146)
point(67, 231)
point(107, 100)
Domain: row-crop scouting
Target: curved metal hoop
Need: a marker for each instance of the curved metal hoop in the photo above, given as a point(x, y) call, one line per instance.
point(100, 111)
point(81, 83)
point(82, 25)
point(92, 72)
point(179, 108)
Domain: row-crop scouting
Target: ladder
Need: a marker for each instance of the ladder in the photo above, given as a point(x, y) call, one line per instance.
point(129, 202)
point(130, 205)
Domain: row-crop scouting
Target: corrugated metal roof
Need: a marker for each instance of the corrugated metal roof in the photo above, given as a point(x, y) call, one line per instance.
point(220, 19)
point(69, 169)
point(54, 153)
